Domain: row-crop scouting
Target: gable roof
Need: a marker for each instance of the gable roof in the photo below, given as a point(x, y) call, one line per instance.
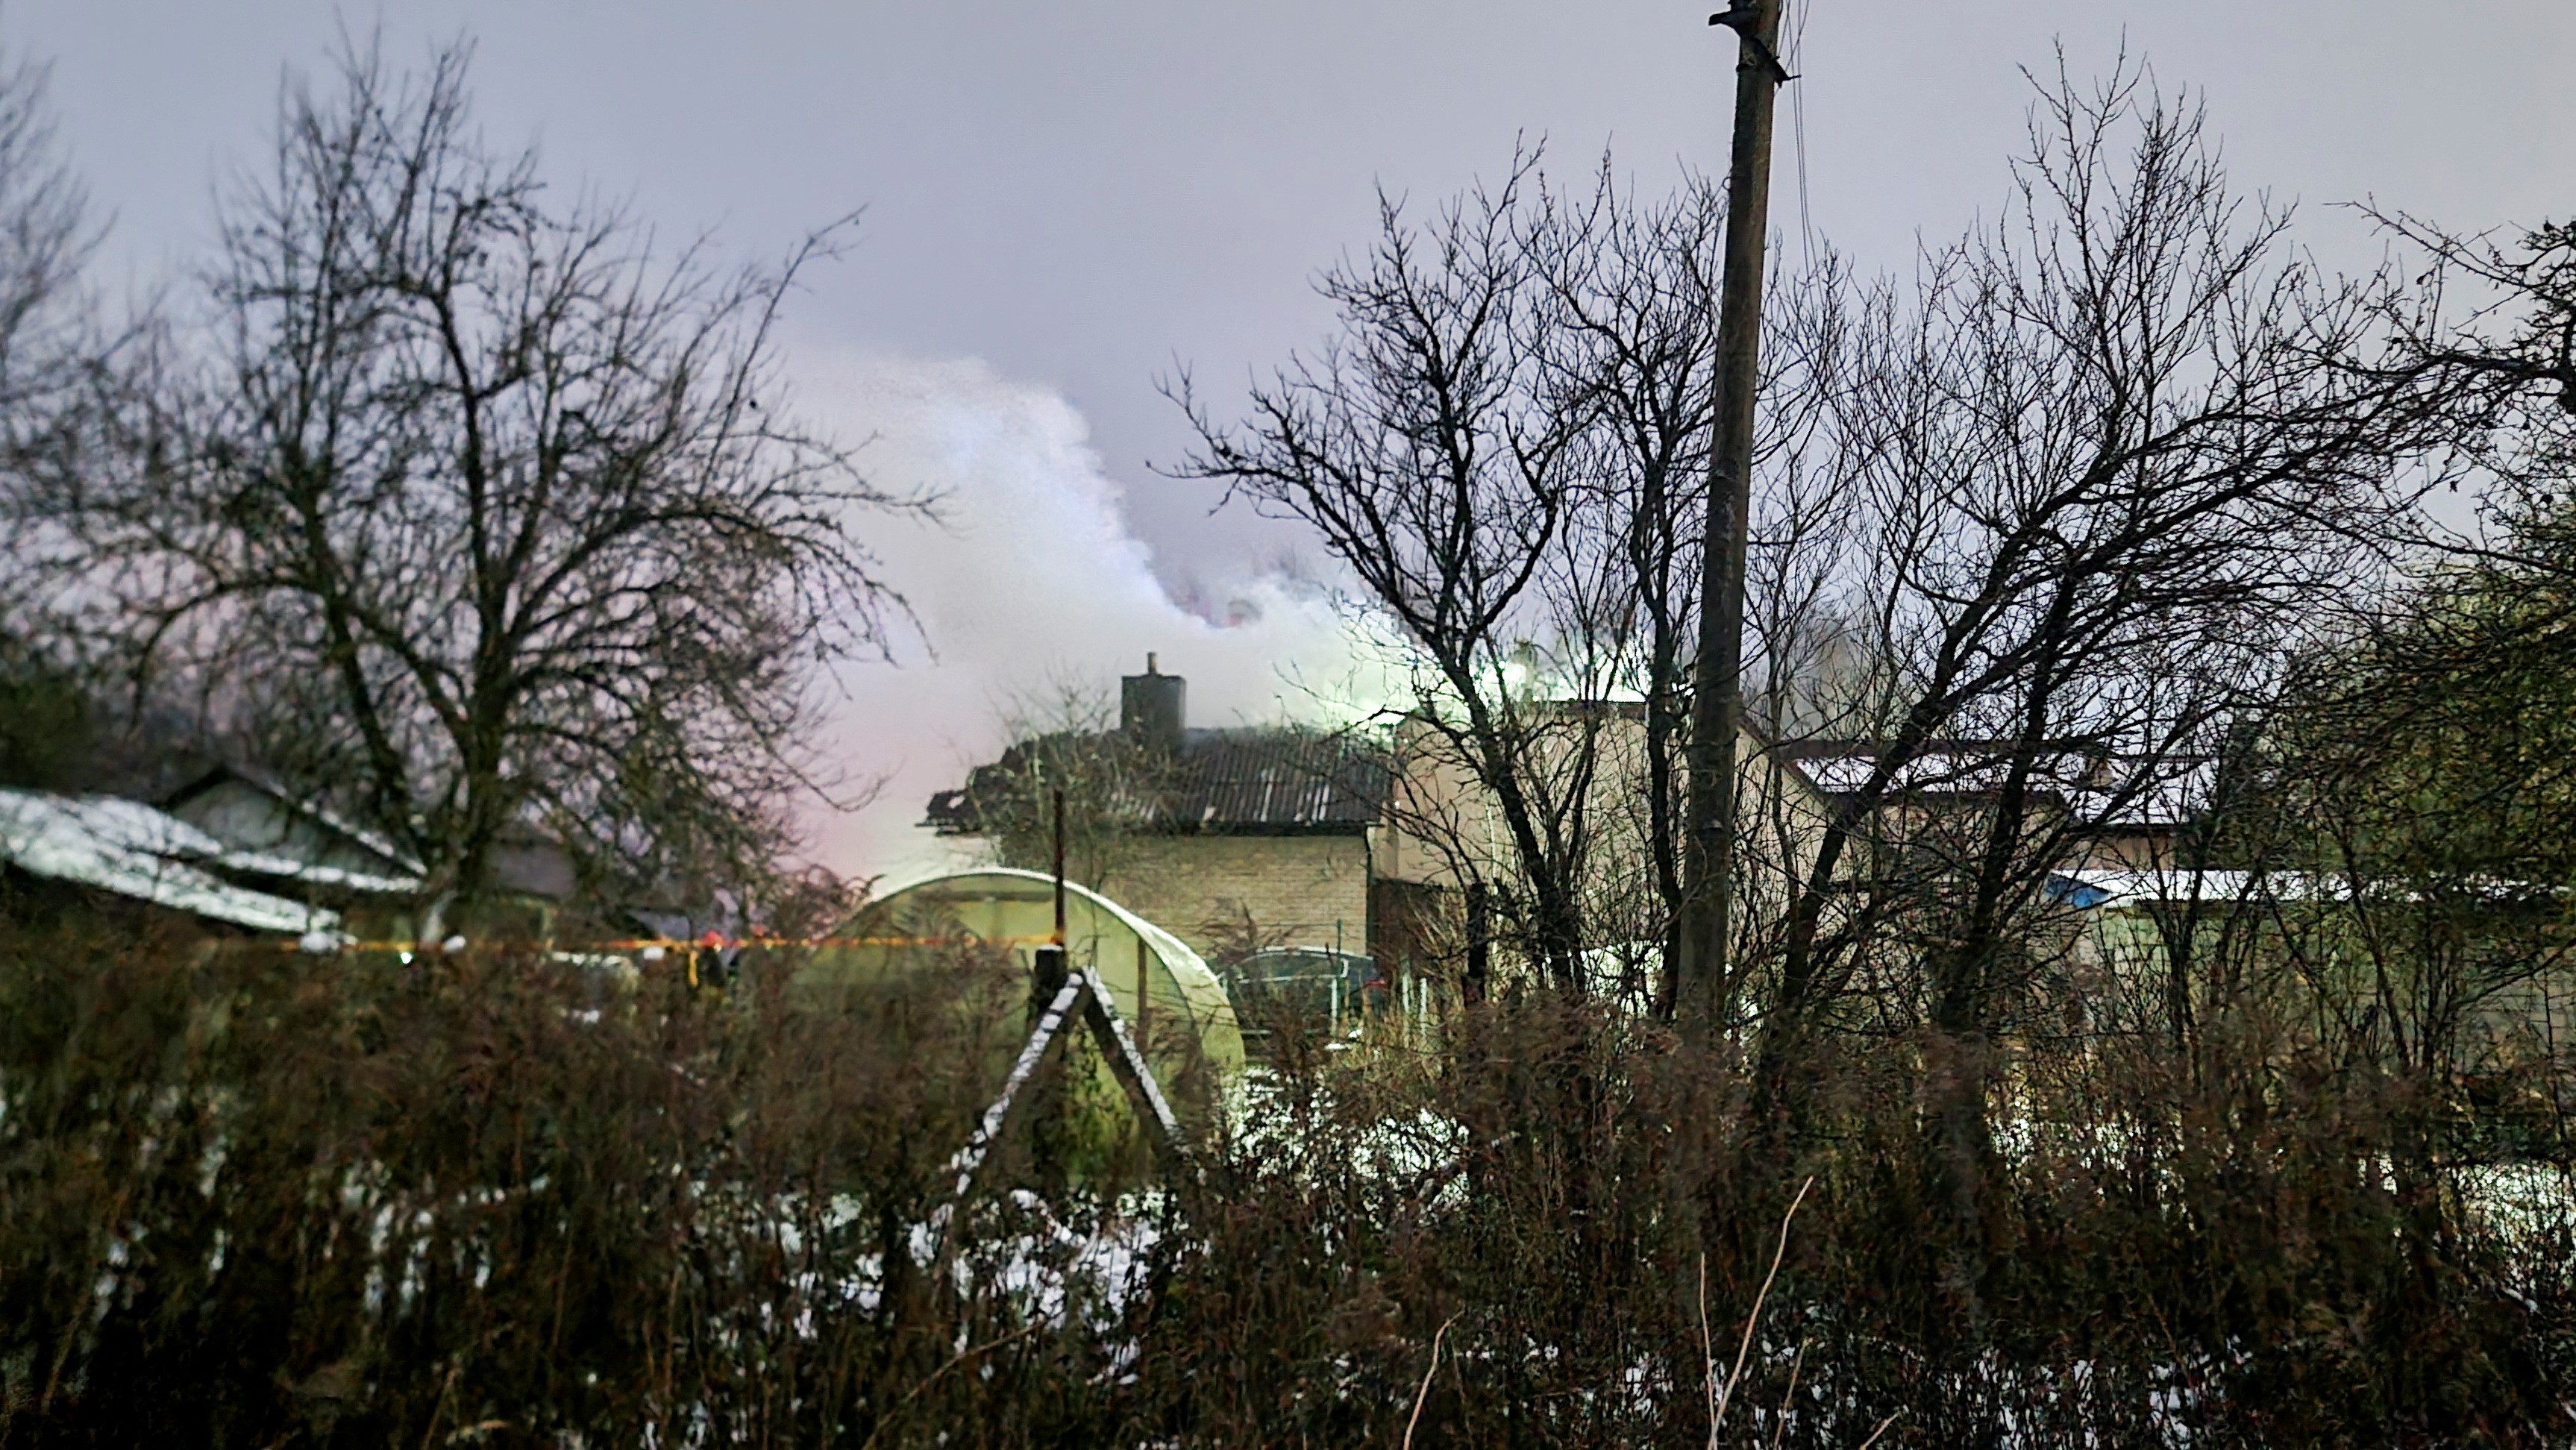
point(131, 850)
point(1250, 782)
point(525, 860)
point(301, 807)
point(1255, 781)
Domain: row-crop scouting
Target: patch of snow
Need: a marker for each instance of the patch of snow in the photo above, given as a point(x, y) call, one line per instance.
point(269, 863)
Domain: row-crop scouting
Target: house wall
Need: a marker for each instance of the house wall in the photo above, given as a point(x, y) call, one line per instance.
point(1445, 825)
point(2142, 849)
point(1295, 889)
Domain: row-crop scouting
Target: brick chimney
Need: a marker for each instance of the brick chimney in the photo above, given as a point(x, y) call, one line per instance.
point(1152, 707)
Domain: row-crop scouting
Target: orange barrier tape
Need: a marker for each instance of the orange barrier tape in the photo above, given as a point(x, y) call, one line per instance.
point(668, 944)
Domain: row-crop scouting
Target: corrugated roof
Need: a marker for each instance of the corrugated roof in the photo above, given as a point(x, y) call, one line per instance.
point(1220, 782)
point(132, 850)
point(1249, 780)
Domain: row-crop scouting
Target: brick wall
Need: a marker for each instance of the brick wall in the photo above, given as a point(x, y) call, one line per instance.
point(1296, 887)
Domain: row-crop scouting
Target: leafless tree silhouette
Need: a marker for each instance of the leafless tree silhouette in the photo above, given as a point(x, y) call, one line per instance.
point(477, 507)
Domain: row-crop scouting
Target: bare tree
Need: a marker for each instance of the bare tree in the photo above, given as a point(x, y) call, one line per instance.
point(46, 238)
point(1505, 445)
point(2115, 454)
point(2415, 803)
point(46, 341)
point(1626, 337)
point(1624, 350)
point(2512, 356)
point(476, 508)
point(1421, 446)
point(1065, 745)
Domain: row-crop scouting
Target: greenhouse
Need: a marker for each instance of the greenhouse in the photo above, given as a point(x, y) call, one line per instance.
point(1171, 1001)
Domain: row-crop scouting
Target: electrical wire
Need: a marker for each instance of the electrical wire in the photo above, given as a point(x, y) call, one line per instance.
point(1793, 61)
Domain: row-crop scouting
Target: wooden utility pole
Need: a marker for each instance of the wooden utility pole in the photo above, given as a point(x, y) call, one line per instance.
point(1717, 704)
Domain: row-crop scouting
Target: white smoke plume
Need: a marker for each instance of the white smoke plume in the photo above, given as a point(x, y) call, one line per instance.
point(1032, 577)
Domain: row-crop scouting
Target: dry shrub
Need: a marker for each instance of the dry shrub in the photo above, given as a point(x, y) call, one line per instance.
point(2221, 1251)
point(357, 1200)
point(259, 1198)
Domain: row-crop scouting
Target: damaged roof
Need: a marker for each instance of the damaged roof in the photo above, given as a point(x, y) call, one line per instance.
point(1248, 782)
point(1254, 780)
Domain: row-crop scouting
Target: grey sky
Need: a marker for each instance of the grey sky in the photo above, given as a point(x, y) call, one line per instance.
point(1077, 194)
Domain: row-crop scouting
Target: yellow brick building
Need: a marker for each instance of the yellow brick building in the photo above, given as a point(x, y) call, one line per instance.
point(1229, 839)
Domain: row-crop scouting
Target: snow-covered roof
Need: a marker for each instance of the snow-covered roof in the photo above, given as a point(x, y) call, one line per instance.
point(131, 849)
point(269, 863)
point(2117, 794)
point(2115, 887)
point(2090, 887)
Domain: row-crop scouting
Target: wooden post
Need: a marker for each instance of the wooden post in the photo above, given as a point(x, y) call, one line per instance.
point(1480, 939)
point(1717, 704)
point(1059, 866)
point(1043, 1037)
point(1144, 982)
point(1047, 975)
point(1127, 1063)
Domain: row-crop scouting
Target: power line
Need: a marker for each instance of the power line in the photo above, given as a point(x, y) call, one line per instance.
point(1796, 59)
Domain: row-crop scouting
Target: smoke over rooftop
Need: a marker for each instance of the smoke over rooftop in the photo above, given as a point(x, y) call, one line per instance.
point(1032, 579)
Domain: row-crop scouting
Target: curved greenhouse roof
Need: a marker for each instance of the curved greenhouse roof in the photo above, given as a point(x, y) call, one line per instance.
point(1154, 980)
